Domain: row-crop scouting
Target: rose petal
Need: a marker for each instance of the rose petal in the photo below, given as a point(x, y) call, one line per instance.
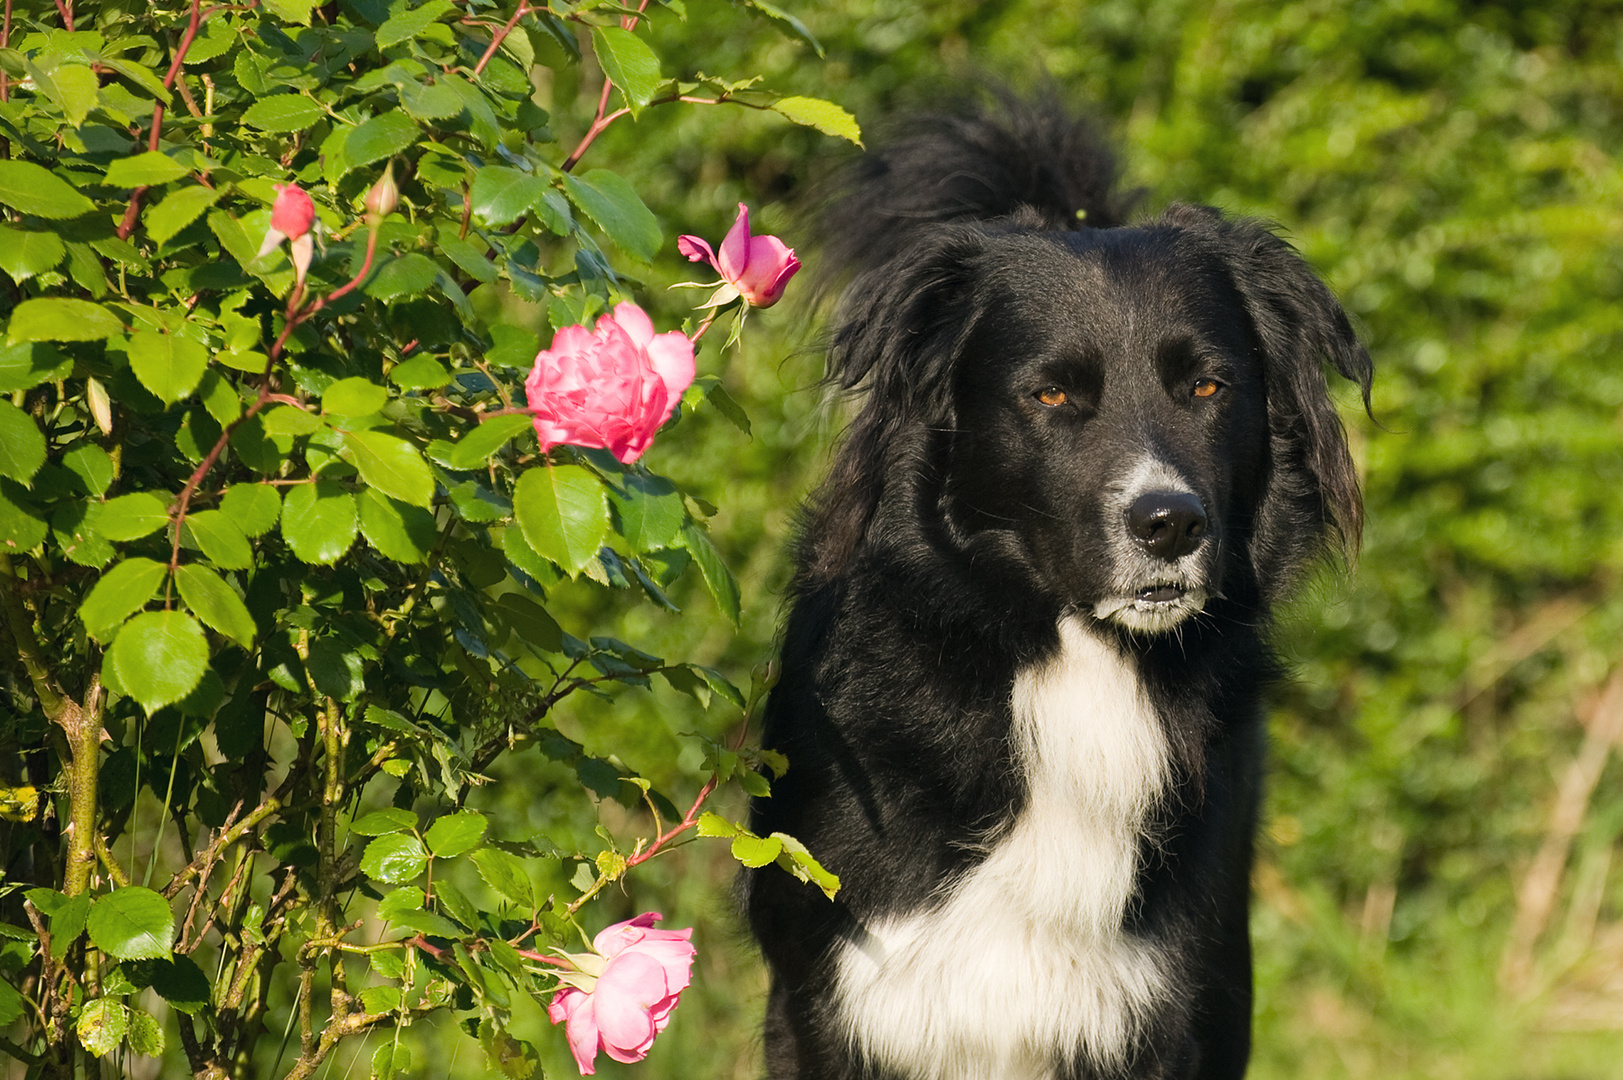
point(696, 249)
point(734, 258)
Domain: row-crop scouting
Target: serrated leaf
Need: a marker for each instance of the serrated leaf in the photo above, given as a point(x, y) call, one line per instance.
point(398, 530)
point(26, 364)
point(218, 536)
point(610, 200)
point(144, 170)
point(121, 592)
point(179, 210)
point(145, 1034)
point(407, 275)
point(476, 448)
point(380, 137)
point(390, 464)
point(799, 861)
point(180, 982)
point(319, 522)
point(825, 116)
point(408, 24)
point(563, 513)
point(420, 373)
point(53, 318)
point(25, 255)
point(354, 397)
point(530, 622)
point(159, 657)
point(31, 189)
point(384, 822)
point(505, 874)
point(756, 851)
point(132, 923)
point(717, 578)
point(167, 364)
point(76, 91)
point(455, 833)
point(22, 444)
point(102, 1025)
point(629, 63)
point(649, 513)
point(283, 113)
point(469, 258)
point(253, 508)
point(216, 603)
point(130, 517)
point(713, 824)
point(394, 857)
point(20, 528)
point(500, 195)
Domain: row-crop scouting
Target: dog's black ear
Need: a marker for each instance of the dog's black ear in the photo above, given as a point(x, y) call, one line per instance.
point(1298, 325)
point(901, 327)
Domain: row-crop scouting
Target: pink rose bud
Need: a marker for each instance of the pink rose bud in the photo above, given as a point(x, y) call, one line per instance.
point(757, 266)
point(612, 386)
point(618, 998)
point(382, 197)
point(292, 213)
point(292, 216)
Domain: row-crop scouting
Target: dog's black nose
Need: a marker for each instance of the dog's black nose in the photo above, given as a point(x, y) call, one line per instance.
point(1168, 523)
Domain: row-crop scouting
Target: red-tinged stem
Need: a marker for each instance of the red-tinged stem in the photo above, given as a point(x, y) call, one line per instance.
point(599, 122)
point(66, 11)
point(702, 327)
point(501, 36)
point(543, 958)
point(5, 43)
point(691, 819)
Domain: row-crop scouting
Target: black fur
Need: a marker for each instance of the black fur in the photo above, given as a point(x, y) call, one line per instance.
point(964, 518)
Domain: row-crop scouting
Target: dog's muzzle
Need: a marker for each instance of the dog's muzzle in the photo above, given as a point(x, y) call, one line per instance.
point(1160, 580)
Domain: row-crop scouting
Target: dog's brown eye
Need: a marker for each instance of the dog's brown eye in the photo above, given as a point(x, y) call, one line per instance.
point(1052, 396)
point(1206, 387)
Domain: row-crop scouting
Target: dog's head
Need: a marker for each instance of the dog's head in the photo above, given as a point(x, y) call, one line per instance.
point(1132, 420)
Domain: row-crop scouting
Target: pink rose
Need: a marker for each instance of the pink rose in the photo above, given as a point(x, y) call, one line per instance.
point(620, 1007)
point(757, 266)
point(610, 387)
point(292, 216)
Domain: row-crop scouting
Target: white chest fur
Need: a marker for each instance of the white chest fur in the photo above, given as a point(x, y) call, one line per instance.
point(1024, 960)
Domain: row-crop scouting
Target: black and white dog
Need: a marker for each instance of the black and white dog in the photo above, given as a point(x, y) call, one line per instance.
point(1023, 667)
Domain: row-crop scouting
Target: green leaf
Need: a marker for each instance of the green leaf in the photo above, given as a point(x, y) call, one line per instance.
point(383, 822)
point(629, 63)
point(614, 204)
point(799, 862)
point(26, 364)
point(354, 397)
point(144, 170)
point(420, 373)
point(390, 464)
point(159, 657)
point(167, 364)
point(500, 195)
point(24, 255)
point(283, 113)
point(505, 874)
point(22, 445)
point(468, 257)
point(713, 824)
point(475, 448)
point(255, 508)
point(180, 982)
point(132, 923)
point(216, 603)
point(408, 24)
point(825, 116)
point(218, 536)
point(76, 91)
point(398, 530)
point(20, 529)
point(130, 517)
point(754, 851)
point(563, 513)
point(650, 513)
point(179, 210)
point(53, 318)
point(296, 12)
point(30, 189)
point(408, 275)
point(394, 857)
point(318, 521)
point(146, 1034)
point(102, 1024)
point(530, 622)
point(455, 833)
point(121, 592)
point(92, 465)
point(380, 137)
point(717, 578)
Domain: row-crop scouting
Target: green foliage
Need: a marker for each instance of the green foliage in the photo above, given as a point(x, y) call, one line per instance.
point(278, 548)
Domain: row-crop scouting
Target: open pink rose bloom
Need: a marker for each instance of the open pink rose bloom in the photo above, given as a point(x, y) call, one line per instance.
point(621, 1007)
point(612, 386)
point(757, 266)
